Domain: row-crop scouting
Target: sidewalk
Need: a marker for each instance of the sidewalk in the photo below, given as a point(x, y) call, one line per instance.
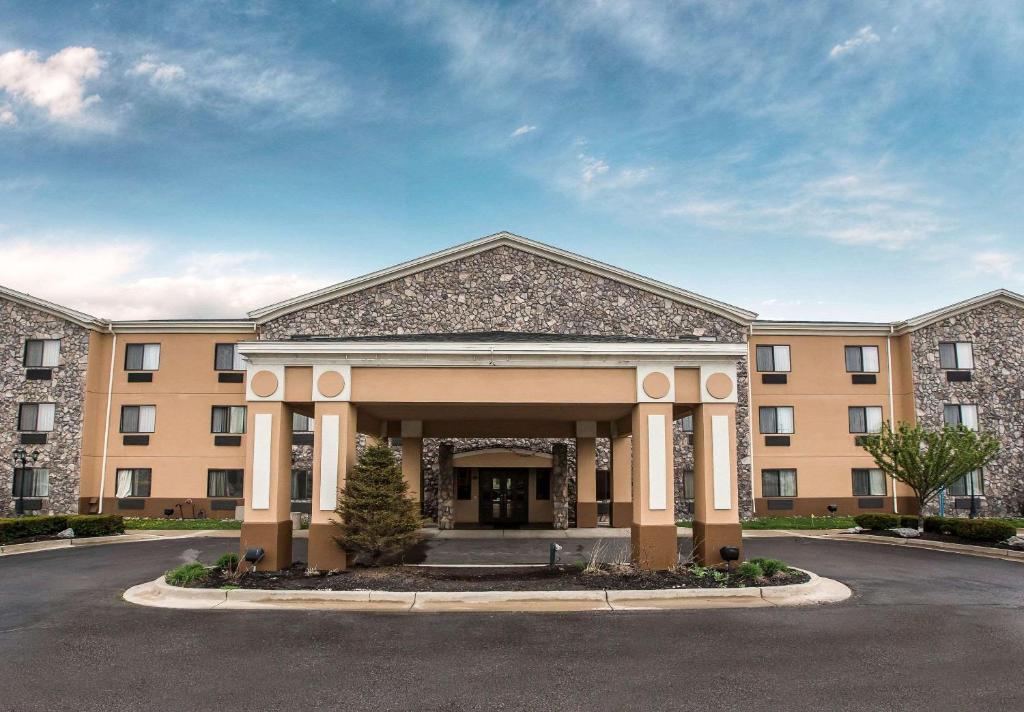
point(128, 538)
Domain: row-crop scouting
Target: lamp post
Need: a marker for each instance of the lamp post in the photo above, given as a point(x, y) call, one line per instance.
point(20, 458)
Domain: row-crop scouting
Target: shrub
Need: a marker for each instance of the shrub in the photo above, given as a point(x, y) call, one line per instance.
point(909, 521)
point(879, 521)
point(771, 566)
point(991, 530)
point(228, 562)
point(186, 574)
point(84, 526)
point(751, 570)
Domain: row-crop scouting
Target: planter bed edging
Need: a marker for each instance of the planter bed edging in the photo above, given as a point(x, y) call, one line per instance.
point(987, 552)
point(160, 594)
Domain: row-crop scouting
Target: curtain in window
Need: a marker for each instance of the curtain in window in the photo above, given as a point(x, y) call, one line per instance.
point(873, 419)
point(217, 485)
point(237, 362)
point(44, 423)
point(130, 419)
point(51, 352)
point(869, 355)
point(868, 483)
point(27, 413)
point(224, 357)
point(769, 422)
point(969, 484)
point(147, 418)
point(141, 482)
point(951, 414)
point(858, 420)
point(237, 419)
point(301, 423)
point(221, 419)
point(877, 482)
point(947, 356)
point(765, 362)
point(784, 418)
point(124, 484)
point(854, 362)
point(40, 478)
point(964, 354)
point(787, 483)
point(781, 354)
point(33, 354)
point(969, 416)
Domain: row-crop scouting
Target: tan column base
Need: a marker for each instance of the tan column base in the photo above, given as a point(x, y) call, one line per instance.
point(622, 514)
point(586, 515)
point(275, 538)
point(324, 552)
point(709, 538)
point(655, 546)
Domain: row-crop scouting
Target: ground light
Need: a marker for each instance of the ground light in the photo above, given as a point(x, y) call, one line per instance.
point(729, 554)
point(253, 556)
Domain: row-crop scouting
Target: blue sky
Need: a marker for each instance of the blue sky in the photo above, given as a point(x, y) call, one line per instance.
point(847, 160)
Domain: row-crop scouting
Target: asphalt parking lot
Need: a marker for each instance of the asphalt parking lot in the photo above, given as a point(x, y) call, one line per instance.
point(924, 630)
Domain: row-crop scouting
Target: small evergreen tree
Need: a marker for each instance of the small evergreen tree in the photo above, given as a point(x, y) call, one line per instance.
point(929, 460)
point(376, 516)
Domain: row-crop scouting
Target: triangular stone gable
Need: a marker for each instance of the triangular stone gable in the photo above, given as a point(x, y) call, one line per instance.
point(504, 288)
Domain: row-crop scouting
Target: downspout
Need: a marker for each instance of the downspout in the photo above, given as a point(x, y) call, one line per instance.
point(892, 407)
point(750, 424)
point(106, 424)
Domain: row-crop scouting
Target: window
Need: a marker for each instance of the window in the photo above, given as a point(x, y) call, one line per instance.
point(227, 358)
point(301, 423)
point(688, 485)
point(868, 483)
point(862, 359)
point(133, 482)
point(866, 419)
point(224, 483)
point(970, 485)
point(956, 355)
point(463, 484)
point(228, 419)
point(687, 425)
point(773, 358)
point(36, 417)
point(142, 357)
point(302, 485)
point(138, 418)
point(42, 353)
point(776, 419)
point(34, 480)
point(778, 483)
point(544, 484)
point(965, 415)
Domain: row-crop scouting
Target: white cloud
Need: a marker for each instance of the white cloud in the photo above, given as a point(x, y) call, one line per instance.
point(7, 116)
point(522, 131)
point(591, 168)
point(158, 72)
point(133, 279)
point(56, 85)
point(995, 263)
point(863, 36)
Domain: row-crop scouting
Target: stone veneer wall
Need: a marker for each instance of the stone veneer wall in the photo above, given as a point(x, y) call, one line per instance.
point(62, 451)
point(996, 387)
point(507, 289)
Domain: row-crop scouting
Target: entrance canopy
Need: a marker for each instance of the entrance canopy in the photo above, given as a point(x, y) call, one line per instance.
point(500, 386)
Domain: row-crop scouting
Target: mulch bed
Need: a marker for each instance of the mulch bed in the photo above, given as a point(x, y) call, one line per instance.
point(412, 578)
point(948, 538)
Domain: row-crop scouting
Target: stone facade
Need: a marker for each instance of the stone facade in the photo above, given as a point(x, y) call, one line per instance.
point(996, 387)
point(512, 290)
point(62, 452)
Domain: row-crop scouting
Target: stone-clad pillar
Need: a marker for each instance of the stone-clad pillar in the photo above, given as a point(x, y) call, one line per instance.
point(560, 485)
point(653, 533)
point(446, 486)
point(716, 495)
point(334, 455)
point(622, 481)
point(267, 485)
point(586, 482)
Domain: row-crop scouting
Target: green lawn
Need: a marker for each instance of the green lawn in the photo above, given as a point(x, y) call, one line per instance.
point(182, 524)
point(792, 523)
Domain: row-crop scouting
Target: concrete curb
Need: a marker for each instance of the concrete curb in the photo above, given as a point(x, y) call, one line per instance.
point(984, 552)
point(160, 594)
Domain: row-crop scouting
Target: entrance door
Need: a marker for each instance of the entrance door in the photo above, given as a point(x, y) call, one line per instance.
point(504, 496)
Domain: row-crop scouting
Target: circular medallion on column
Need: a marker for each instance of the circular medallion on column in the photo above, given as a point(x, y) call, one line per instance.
point(264, 384)
point(656, 385)
point(330, 384)
point(719, 385)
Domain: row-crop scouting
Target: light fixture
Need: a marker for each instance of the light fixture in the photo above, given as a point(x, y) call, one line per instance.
point(729, 554)
point(254, 556)
point(832, 509)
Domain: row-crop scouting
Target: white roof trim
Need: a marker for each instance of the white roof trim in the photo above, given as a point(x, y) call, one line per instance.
point(488, 354)
point(490, 242)
point(76, 317)
point(998, 295)
point(820, 328)
point(185, 326)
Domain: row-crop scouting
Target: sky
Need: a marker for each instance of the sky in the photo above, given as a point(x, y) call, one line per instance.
point(825, 160)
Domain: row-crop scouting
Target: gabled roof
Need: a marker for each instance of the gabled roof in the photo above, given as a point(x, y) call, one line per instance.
point(490, 242)
point(1004, 296)
point(76, 317)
